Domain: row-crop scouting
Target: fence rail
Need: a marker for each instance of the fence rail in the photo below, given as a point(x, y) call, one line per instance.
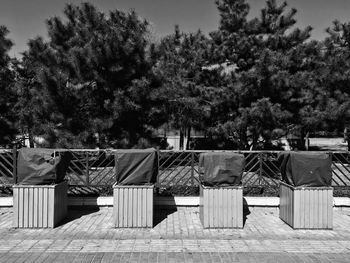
point(176, 168)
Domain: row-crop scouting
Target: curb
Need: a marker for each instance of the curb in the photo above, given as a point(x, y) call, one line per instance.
point(175, 201)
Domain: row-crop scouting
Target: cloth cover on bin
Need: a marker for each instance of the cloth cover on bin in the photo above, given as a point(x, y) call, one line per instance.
point(222, 168)
point(38, 166)
point(136, 167)
point(308, 169)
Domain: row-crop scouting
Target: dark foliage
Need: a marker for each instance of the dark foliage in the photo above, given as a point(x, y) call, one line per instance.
point(100, 80)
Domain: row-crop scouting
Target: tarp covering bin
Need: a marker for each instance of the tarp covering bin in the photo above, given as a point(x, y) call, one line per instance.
point(221, 168)
point(308, 169)
point(37, 166)
point(136, 167)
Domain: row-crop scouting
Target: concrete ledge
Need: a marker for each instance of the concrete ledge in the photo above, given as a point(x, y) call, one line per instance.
point(175, 201)
point(6, 201)
point(262, 201)
point(341, 201)
point(160, 200)
point(90, 201)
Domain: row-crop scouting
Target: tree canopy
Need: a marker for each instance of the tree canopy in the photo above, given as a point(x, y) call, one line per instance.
point(103, 80)
point(8, 95)
point(182, 92)
point(90, 78)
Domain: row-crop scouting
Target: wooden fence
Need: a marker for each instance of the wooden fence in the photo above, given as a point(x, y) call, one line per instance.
point(176, 168)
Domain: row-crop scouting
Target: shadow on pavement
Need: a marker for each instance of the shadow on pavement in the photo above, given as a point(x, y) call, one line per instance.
point(75, 212)
point(161, 213)
point(246, 211)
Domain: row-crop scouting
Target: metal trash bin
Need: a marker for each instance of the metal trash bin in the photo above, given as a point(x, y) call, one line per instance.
point(39, 206)
point(306, 197)
point(221, 207)
point(40, 197)
point(133, 205)
point(136, 172)
point(221, 190)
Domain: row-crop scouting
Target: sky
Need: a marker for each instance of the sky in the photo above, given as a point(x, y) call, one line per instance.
point(26, 18)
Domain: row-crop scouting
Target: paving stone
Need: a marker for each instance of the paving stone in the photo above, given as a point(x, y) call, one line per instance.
point(117, 257)
point(87, 235)
point(152, 257)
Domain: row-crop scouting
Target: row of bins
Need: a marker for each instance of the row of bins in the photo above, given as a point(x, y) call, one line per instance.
point(306, 197)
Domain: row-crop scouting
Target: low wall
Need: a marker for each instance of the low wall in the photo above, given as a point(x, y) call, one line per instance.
point(339, 202)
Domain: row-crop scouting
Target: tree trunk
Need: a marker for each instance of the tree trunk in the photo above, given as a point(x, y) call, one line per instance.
point(188, 138)
point(301, 145)
point(346, 137)
point(31, 141)
point(307, 141)
point(181, 140)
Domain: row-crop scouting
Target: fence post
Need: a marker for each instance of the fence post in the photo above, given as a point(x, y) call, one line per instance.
point(260, 167)
point(158, 157)
point(332, 160)
point(116, 166)
point(192, 168)
point(87, 167)
point(14, 163)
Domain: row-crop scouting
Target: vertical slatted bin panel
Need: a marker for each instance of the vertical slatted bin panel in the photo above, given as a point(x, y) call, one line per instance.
point(39, 206)
point(201, 207)
point(286, 204)
point(133, 206)
point(221, 207)
point(306, 207)
point(61, 203)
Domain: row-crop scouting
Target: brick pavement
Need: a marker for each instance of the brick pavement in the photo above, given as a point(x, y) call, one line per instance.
point(87, 235)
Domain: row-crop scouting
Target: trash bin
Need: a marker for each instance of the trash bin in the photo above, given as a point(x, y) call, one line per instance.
point(306, 195)
point(221, 190)
point(133, 205)
point(39, 206)
point(40, 197)
point(136, 172)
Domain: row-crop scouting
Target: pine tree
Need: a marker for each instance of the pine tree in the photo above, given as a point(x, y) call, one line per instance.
point(179, 69)
point(8, 95)
point(91, 78)
point(333, 99)
point(272, 68)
